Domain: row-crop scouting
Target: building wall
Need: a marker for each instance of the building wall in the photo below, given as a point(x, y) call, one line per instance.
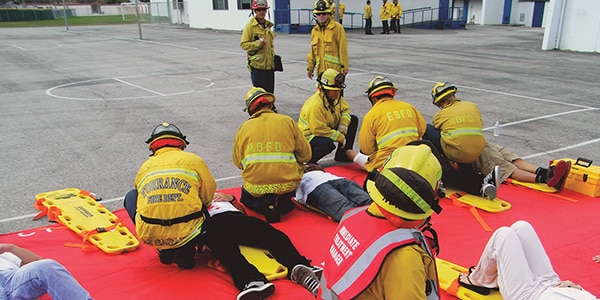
point(573, 25)
point(236, 19)
point(492, 11)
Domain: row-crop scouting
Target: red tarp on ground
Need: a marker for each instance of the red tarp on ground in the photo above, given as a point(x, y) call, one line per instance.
point(566, 223)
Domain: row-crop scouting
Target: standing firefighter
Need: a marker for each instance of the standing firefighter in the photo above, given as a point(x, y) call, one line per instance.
point(257, 41)
point(328, 44)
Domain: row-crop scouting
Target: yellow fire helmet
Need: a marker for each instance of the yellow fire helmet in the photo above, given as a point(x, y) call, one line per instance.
point(381, 85)
point(441, 90)
point(331, 79)
point(256, 96)
point(322, 6)
point(409, 182)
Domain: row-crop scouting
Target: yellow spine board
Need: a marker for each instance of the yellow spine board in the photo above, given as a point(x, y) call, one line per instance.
point(494, 206)
point(80, 212)
point(264, 262)
point(542, 187)
point(448, 272)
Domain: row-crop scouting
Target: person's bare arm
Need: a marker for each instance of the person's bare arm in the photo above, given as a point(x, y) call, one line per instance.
point(25, 255)
point(596, 258)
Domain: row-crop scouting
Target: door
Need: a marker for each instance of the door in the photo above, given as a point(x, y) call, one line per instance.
point(506, 13)
point(538, 13)
point(282, 12)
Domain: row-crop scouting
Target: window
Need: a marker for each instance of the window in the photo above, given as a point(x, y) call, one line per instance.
point(220, 5)
point(244, 4)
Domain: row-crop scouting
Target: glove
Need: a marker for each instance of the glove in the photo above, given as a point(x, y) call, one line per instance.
point(343, 129)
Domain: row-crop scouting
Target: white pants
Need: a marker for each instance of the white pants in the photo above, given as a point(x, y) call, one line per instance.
point(515, 261)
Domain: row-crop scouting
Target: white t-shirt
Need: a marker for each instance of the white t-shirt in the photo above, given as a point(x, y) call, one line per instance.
point(9, 261)
point(310, 181)
point(218, 207)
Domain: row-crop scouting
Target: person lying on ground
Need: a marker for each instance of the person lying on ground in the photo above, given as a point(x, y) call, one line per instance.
point(331, 194)
point(515, 262)
point(26, 275)
point(228, 228)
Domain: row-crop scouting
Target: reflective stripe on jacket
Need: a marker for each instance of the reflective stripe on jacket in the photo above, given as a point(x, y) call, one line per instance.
point(259, 57)
point(361, 244)
point(172, 184)
point(389, 124)
point(460, 126)
point(270, 150)
point(318, 118)
point(329, 48)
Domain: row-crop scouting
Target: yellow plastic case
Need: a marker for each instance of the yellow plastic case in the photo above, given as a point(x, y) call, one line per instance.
point(584, 178)
point(79, 211)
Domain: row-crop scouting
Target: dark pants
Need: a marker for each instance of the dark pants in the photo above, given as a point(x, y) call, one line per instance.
point(322, 146)
point(185, 252)
point(283, 203)
point(223, 233)
point(368, 25)
point(264, 79)
point(395, 26)
point(461, 176)
point(433, 135)
point(386, 28)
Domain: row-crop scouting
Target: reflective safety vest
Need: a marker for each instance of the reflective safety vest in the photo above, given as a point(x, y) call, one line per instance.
point(358, 251)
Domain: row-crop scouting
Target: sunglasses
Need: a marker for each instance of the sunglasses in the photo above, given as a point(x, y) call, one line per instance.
point(260, 9)
point(321, 14)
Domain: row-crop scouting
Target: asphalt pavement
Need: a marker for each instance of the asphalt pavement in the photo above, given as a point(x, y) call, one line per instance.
point(77, 105)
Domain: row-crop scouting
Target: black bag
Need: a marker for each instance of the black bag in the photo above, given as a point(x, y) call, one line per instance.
point(278, 64)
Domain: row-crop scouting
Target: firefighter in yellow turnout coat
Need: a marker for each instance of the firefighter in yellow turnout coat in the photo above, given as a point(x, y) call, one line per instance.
point(325, 118)
point(389, 124)
point(257, 41)
point(172, 190)
point(458, 125)
point(270, 150)
point(328, 44)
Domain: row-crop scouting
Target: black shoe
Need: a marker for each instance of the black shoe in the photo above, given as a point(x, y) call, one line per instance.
point(271, 213)
point(166, 256)
point(383, 32)
point(256, 290)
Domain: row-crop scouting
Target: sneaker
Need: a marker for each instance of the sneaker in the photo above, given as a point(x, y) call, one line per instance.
point(307, 277)
point(256, 290)
point(493, 177)
point(491, 183)
point(557, 174)
point(488, 191)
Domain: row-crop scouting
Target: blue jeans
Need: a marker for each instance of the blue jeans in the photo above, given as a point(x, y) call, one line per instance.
point(335, 197)
point(433, 135)
point(37, 278)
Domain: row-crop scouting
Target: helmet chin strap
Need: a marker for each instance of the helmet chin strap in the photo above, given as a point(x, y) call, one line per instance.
point(332, 102)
